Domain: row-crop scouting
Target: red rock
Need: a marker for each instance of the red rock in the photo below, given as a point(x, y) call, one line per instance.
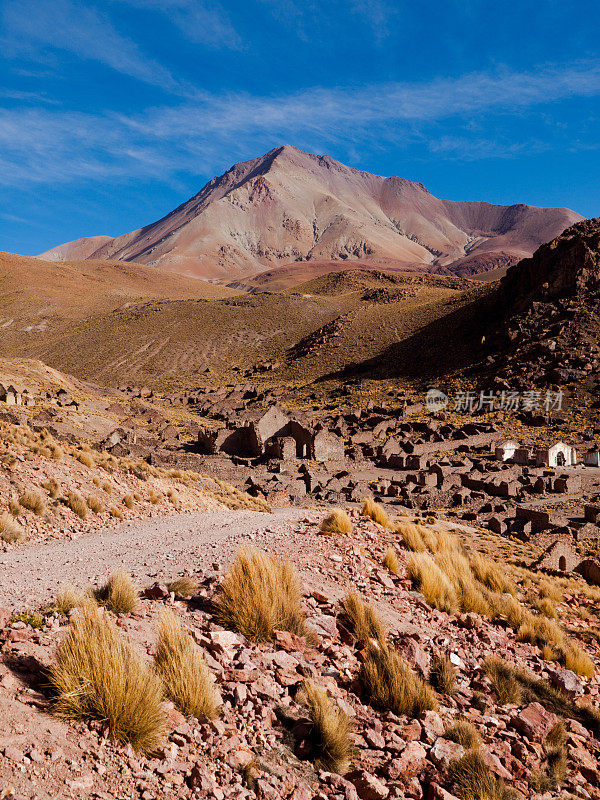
point(367, 786)
point(302, 792)
point(534, 722)
point(432, 724)
point(411, 731)
point(4, 617)
point(288, 641)
point(567, 681)
point(436, 792)
point(374, 739)
point(158, 591)
point(411, 758)
point(495, 765)
point(444, 751)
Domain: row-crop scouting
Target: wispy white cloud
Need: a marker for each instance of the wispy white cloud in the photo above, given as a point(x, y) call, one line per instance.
point(202, 21)
point(32, 29)
point(456, 118)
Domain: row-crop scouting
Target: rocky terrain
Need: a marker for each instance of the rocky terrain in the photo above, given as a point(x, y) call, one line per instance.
point(289, 206)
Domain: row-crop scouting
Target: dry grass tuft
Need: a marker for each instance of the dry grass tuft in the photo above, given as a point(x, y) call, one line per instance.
point(52, 486)
point(153, 497)
point(411, 535)
point(442, 675)
point(33, 501)
point(97, 674)
point(128, 501)
point(259, 595)
point(501, 675)
point(119, 594)
point(116, 513)
point(464, 733)
point(541, 631)
point(69, 598)
point(183, 671)
point(546, 607)
point(475, 781)
point(376, 512)
point(390, 683)
point(183, 587)
point(85, 458)
point(432, 582)
point(391, 561)
point(331, 744)
point(576, 659)
point(490, 574)
point(363, 619)
point(10, 530)
point(94, 504)
point(77, 504)
point(551, 591)
point(336, 522)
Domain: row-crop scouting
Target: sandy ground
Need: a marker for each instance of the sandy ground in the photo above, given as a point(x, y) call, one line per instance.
point(151, 549)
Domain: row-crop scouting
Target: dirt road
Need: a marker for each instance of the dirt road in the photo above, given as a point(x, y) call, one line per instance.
point(150, 549)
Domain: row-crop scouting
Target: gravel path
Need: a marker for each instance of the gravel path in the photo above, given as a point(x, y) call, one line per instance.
point(162, 547)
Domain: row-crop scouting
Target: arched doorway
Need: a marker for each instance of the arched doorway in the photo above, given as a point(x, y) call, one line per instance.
point(560, 460)
point(562, 564)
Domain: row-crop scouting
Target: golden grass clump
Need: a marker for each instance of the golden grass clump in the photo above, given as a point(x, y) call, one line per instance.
point(107, 487)
point(390, 684)
point(391, 561)
point(52, 486)
point(455, 566)
point(94, 504)
point(153, 497)
point(116, 513)
point(541, 631)
point(432, 582)
point(555, 772)
point(376, 512)
point(411, 536)
point(98, 675)
point(69, 598)
point(475, 781)
point(183, 671)
point(183, 587)
point(33, 501)
point(546, 607)
point(77, 504)
point(575, 658)
point(507, 606)
point(259, 595)
point(332, 747)
point(10, 530)
point(490, 574)
point(119, 594)
point(128, 501)
point(501, 676)
point(551, 591)
point(337, 521)
point(464, 733)
point(442, 675)
point(363, 619)
point(85, 458)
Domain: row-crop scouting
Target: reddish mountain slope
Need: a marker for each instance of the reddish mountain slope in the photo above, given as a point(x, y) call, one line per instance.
point(290, 205)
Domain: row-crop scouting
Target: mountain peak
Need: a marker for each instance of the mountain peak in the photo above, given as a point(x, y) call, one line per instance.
point(313, 207)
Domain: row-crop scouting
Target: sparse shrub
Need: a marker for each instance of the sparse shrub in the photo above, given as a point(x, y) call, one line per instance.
point(119, 594)
point(464, 733)
point(96, 482)
point(455, 566)
point(184, 586)
point(107, 487)
point(505, 605)
point(411, 536)
point(183, 671)
point(14, 507)
point(33, 619)
point(56, 451)
point(363, 619)
point(10, 530)
point(336, 522)
point(33, 501)
point(391, 561)
point(434, 585)
point(390, 684)
point(330, 736)
point(259, 595)
point(97, 674)
point(153, 497)
point(85, 458)
point(545, 607)
point(94, 504)
point(442, 675)
point(77, 504)
point(555, 772)
point(376, 512)
point(541, 631)
point(551, 591)
point(501, 675)
point(116, 512)
point(128, 501)
point(475, 781)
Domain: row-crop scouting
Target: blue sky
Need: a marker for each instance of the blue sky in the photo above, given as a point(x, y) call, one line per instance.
point(114, 112)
